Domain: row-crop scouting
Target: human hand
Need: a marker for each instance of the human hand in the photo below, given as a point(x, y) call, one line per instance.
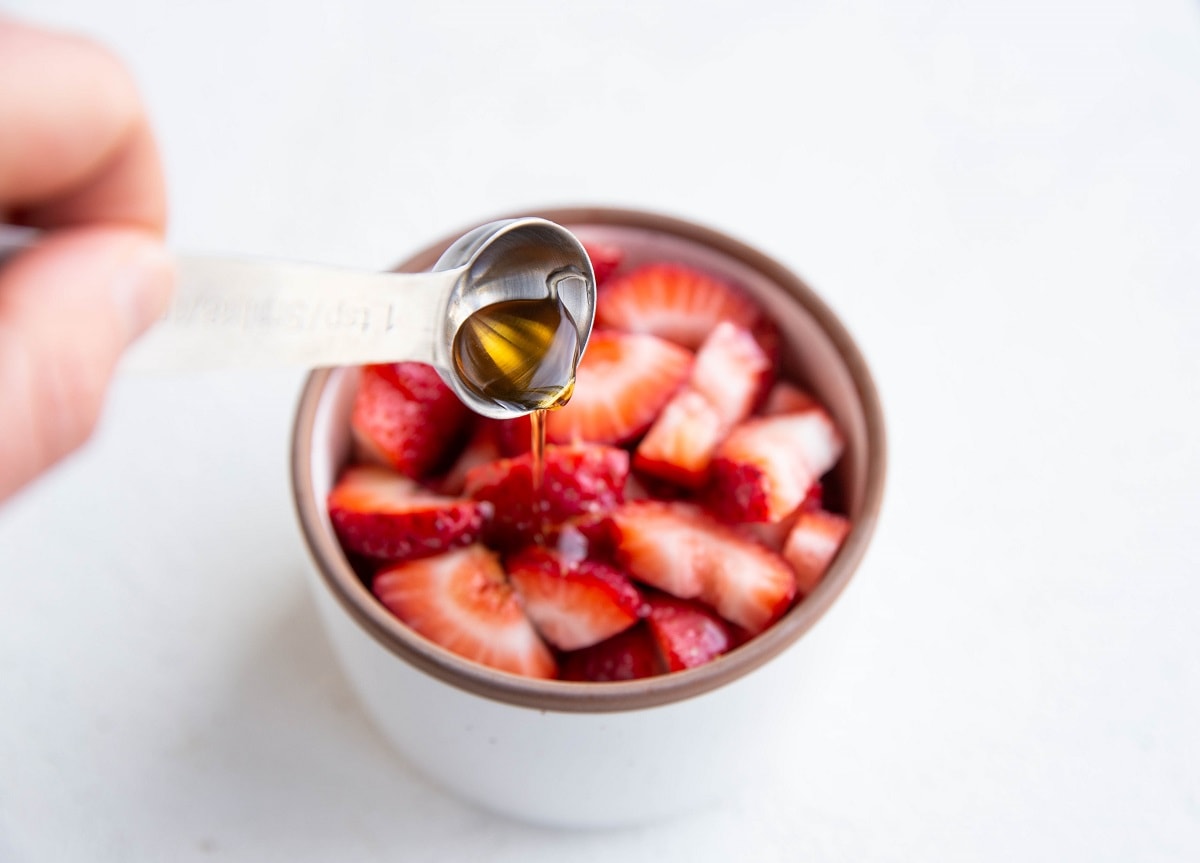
point(77, 159)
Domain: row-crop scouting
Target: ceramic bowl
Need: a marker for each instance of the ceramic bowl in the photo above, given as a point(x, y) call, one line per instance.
point(593, 754)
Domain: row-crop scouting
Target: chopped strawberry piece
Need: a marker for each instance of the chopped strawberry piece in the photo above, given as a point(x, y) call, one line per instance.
point(605, 259)
point(728, 371)
point(687, 633)
point(766, 466)
point(629, 655)
point(680, 445)
point(676, 548)
point(405, 417)
point(786, 398)
point(573, 603)
point(774, 534)
point(812, 544)
point(461, 601)
point(576, 481)
point(382, 514)
point(677, 303)
point(621, 384)
point(483, 447)
point(725, 380)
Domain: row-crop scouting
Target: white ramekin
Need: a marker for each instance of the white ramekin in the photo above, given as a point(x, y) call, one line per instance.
point(593, 754)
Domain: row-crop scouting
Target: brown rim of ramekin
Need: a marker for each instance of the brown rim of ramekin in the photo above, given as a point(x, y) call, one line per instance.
point(567, 696)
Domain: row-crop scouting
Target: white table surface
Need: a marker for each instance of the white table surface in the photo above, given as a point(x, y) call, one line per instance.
point(1003, 202)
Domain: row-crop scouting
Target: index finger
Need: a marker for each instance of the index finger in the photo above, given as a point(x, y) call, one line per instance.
point(75, 146)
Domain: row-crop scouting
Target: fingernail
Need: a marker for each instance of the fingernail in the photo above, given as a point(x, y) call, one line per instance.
point(142, 288)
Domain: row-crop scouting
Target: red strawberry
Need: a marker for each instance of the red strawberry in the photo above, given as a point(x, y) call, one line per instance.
point(605, 259)
point(766, 466)
point(381, 514)
point(407, 418)
point(674, 302)
point(630, 655)
point(583, 480)
point(676, 548)
point(573, 604)
point(725, 381)
point(774, 534)
point(679, 446)
point(461, 601)
point(687, 633)
point(813, 543)
point(621, 384)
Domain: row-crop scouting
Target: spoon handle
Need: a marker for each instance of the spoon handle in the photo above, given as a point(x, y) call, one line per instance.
point(233, 313)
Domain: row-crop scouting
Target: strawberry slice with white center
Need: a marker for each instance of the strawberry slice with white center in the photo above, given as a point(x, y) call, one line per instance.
point(766, 466)
point(674, 302)
point(379, 513)
point(578, 481)
point(813, 543)
point(621, 385)
point(724, 383)
point(677, 548)
point(461, 601)
point(687, 633)
point(680, 445)
point(629, 655)
point(573, 604)
point(405, 417)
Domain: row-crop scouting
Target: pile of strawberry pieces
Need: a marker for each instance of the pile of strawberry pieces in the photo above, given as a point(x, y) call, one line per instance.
point(680, 511)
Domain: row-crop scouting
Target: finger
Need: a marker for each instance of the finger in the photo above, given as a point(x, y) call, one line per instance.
point(68, 307)
point(76, 146)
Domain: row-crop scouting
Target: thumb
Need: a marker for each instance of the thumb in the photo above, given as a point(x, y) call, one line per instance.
point(68, 307)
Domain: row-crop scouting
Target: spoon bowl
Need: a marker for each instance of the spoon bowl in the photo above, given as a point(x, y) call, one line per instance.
point(512, 259)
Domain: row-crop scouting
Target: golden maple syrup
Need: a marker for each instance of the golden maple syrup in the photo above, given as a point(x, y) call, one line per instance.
point(521, 354)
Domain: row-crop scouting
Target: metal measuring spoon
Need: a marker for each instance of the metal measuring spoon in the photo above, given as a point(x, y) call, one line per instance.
point(243, 313)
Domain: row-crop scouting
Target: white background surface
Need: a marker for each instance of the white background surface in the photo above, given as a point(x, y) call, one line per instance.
point(1003, 202)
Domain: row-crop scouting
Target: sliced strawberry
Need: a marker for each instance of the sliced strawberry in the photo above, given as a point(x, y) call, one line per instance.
point(629, 655)
point(461, 601)
point(725, 380)
point(675, 302)
point(405, 417)
point(680, 445)
point(605, 259)
point(483, 447)
point(382, 514)
point(687, 633)
point(621, 384)
point(813, 543)
point(774, 534)
point(676, 548)
point(766, 466)
point(729, 370)
point(573, 603)
point(787, 398)
point(576, 481)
